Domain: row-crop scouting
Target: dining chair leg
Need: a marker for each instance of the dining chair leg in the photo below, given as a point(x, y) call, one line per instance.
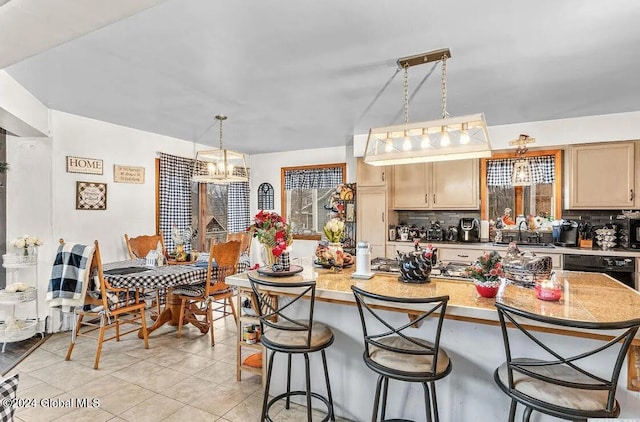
point(434, 401)
point(326, 377)
point(512, 410)
point(427, 401)
point(385, 389)
point(117, 322)
point(74, 335)
point(103, 328)
point(527, 414)
point(376, 401)
point(145, 333)
point(181, 318)
point(233, 310)
point(209, 317)
point(266, 386)
point(307, 370)
point(287, 401)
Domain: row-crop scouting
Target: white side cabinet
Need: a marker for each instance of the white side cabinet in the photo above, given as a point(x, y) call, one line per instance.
point(23, 270)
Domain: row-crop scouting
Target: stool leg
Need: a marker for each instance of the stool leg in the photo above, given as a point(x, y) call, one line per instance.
point(527, 414)
point(266, 387)
point(326, 377)
point(307, 370)
point(385, 389)
point(376, 401)
point(286, 406)
point(427, 401)
point(512, 411)
point(434, 401)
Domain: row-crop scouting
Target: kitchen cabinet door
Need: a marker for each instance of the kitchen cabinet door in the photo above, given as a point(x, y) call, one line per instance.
point(410, 189)
point(371, 218)
point(602, 176)
point(455, 185)
point(368, 175)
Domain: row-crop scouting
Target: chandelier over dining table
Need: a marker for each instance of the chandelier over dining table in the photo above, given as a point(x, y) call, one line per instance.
point(448, 138)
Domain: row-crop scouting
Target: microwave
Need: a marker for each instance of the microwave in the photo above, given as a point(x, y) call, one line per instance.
point(629, 233)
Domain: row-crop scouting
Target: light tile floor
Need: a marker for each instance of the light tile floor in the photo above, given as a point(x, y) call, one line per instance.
point(176, 379)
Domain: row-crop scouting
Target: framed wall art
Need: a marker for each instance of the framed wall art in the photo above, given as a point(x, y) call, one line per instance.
point(84, 165)
point(91, 196)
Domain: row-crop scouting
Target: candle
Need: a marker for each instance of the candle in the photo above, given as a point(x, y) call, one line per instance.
point(548, 289)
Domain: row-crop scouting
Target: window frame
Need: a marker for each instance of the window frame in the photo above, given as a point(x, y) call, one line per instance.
point(557, 187)
point(283, 192)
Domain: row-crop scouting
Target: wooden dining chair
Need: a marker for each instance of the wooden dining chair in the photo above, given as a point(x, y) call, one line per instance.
point(223, 260)
point(138, 248)
point(114, 308)
point(244, 238)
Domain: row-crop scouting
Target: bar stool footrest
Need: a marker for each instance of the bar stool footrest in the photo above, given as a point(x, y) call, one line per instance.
point(322, 398)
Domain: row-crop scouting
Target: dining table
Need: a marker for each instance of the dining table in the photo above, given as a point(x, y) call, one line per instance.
point(134, 274)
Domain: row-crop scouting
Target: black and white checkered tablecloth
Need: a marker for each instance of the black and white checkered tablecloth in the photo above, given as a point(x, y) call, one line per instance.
point(153, 277)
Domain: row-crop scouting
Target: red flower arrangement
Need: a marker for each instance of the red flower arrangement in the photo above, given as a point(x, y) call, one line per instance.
point(272, 231)
point(487, 269)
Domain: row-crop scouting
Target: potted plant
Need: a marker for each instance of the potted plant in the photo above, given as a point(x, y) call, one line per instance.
point(486, 273)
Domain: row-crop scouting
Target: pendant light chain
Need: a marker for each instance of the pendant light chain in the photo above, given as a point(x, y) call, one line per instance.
point(220, 133)
point(444, 87)
point(406, 93)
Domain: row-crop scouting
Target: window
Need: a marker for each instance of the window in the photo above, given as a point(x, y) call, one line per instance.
point(305, 192)
point(542, 198)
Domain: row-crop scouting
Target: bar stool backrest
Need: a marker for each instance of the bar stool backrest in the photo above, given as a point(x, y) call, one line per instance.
point(281, 314)
point(372, 306)
point(577, 360)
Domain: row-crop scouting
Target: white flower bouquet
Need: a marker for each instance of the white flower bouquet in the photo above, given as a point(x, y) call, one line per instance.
point(25, 241)
point(334, 230)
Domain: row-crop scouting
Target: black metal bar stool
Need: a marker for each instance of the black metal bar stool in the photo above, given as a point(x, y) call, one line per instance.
point(285, 334)
point(560, 384)
point(391, 352)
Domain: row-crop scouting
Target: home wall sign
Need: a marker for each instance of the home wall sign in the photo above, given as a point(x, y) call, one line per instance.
point(128, 174)
point(83, 165)
point(91, 196)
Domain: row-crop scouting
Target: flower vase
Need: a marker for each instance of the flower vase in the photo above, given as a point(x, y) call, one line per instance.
point(270, 259)
point(488, 289)
point(30, 254)
point(334, 247)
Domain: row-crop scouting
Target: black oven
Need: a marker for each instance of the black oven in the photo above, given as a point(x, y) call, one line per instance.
point(629, 233)
point(622, 268)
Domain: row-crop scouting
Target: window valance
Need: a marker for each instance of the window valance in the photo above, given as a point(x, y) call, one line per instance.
point(313, 178)
point(499, 172)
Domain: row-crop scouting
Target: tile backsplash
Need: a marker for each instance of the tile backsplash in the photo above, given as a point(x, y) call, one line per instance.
point(424, 218)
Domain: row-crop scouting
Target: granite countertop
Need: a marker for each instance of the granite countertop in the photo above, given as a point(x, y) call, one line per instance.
point(538, 250)
point(591, 297)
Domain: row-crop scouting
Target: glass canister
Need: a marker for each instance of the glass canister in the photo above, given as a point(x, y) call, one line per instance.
point(548, 288)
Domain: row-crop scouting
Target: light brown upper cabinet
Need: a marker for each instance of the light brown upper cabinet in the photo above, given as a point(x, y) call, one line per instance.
point(602, 176)
point(371, 218)
point(443, 185)
point(368, 175)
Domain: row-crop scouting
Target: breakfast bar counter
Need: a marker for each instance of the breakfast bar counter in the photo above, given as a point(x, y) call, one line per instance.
point(470, 335)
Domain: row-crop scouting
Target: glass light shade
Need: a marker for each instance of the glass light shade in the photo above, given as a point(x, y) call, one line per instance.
point(220, 166)
point(384, 144)
point(445, 141)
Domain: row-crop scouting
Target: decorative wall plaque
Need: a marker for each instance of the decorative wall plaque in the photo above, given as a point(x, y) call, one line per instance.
point(128, 174)
point(91, 196)
point(83, 165)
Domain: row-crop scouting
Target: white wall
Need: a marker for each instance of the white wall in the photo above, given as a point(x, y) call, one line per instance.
point(20, 112)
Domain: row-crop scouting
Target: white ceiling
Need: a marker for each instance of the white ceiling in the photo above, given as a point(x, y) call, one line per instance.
point(295, 74)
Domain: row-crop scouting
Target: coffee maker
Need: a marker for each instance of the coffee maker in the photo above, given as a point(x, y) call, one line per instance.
point(469, 230)
point(568, 235)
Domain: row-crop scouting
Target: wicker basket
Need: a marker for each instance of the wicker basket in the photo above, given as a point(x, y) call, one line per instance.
point(28, 330)
point(17, 297)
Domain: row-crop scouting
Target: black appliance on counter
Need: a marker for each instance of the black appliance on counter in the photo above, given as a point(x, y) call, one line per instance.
point(568, 236)
point(622, 268)
point(628, 232)
point(469, 230)
point(434, 232)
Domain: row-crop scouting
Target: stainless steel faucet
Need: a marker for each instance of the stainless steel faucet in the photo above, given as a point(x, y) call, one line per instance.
point(520, 229)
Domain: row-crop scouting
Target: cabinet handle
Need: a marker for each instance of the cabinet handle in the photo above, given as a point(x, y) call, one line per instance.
point(631, 195)
point(463, 256)
point(426, 198)
point(434, 199)
point(383, 216)
point(383, 176)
